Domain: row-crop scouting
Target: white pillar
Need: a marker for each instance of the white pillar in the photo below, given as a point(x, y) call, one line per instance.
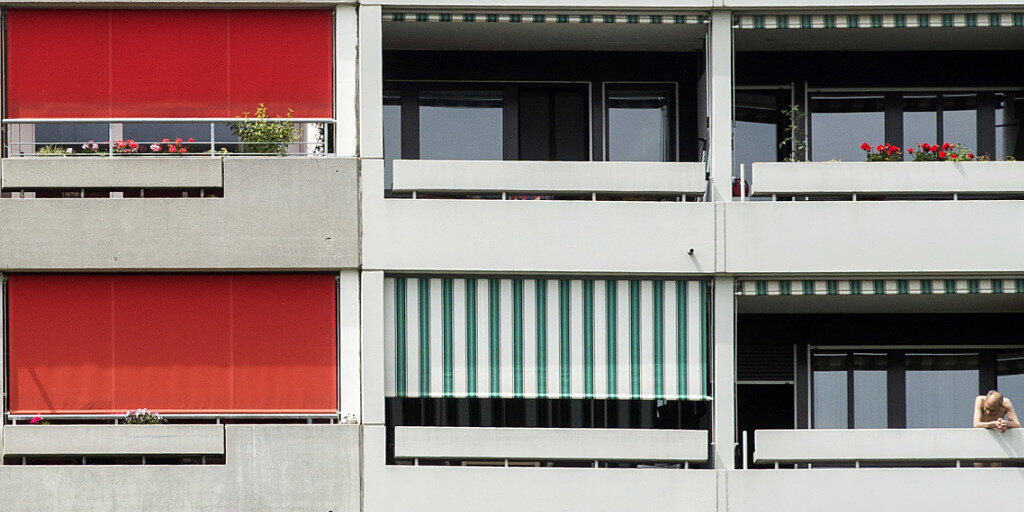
point(348, 350)
point(372, 341)
point(723, 425)
point(721, 109)
point(346, 76)
point(371, 85)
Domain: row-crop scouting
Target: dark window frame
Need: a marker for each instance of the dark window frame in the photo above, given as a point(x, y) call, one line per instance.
point(658, 86)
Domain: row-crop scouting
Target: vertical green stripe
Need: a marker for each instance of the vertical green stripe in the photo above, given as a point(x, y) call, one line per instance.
point(424, 293)
point(634, 338)
point(902, 287)
point(542, 336)
point(950, 285)
point(446, 333)
point(973, 286)
point(854, 287)
point(494, 325)
point(997, 286)
point(611, 334)
point(681, 331)
point(658, 302)
point(400, 364)
point(588, 338)
point(471, 337)
point(563, 338)
point(926, 287)
point(517, 337)
point(703, 339)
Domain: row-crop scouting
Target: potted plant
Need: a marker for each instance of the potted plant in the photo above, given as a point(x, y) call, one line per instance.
point(260, 135)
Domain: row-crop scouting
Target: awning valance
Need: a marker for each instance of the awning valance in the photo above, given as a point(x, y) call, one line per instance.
point(514, 337)
point(879, 20)
point(596, 18)
point(940, 286)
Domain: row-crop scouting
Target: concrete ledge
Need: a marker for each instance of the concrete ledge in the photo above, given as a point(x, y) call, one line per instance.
point(112, 172)
point(894, 178)
point(486, 176)
point(888, 445)
point(551, 444)
point(113, 439)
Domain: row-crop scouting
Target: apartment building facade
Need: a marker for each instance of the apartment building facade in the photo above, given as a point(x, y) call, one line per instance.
point(564, 255)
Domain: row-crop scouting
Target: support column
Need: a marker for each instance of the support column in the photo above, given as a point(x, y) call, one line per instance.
point(371, 84)
point(348, 348)
point(346, 81)
point(372, 342)
point(723, 425)
point(720, 114)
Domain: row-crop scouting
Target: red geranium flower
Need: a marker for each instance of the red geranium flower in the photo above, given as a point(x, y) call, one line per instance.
point(970, 156)
point(910, 150)
point(942, 154)
point(946, 145)
point(865, 146)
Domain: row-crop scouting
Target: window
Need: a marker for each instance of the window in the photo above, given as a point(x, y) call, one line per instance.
point(553, 124)
point(1009, 108)
point(841, 122)
point(759, 125)
point(913, 388)
point(920, 119)
point(392, 134)
point(461, 125)
point(640, 122)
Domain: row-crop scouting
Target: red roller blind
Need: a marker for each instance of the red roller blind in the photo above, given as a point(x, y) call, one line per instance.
point(107, 343)
point(124, 63)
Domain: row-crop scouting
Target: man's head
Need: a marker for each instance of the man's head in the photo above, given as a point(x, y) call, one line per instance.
point(993, 402)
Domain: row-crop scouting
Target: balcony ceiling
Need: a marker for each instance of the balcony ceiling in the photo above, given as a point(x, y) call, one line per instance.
point(543, 37)
point(981, 303)
point(869, 39)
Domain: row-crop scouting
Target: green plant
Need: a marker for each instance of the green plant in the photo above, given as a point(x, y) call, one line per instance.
point(795, 139)
point(53, 151)
point(259, 135)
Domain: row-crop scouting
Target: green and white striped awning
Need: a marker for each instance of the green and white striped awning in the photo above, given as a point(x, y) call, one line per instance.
point(878, 287)
point(545, 338)
point(596, 18)
point(891, 20)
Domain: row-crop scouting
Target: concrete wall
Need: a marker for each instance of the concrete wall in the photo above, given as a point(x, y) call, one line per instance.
point(106, 172)
point(268, 467)
point(276, 213)
point(532, 236)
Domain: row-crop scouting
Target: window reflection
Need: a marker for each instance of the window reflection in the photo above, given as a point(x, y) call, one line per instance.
point(870, 391)
point(1009, 110)
point(1010, 374)
point(960, 119)
point(940, 389)
point(920, 120)
point(392, 134)
point(461, 125)
point(759, 121)
point(840, 123)
point(830, 390)
point(639, 124)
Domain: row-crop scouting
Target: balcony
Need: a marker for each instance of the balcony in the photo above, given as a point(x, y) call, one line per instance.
point(905, 447)
point(271, 213)
point(20, 174)
point(63, 441)
point(581, 235)
point(888, 180)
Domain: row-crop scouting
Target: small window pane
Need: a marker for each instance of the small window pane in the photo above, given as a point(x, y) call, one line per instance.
point(461, 125)
point(960, 119)
point(940, 389)
point(392, 134)
point(1010, 374)
point(758, 115)
point(870, 391)
point(829, 389)
point(841, 123)
point(639, 124)
point(920, 120)
point(1009, 110)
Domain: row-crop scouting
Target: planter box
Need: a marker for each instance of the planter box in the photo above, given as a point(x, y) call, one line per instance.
point(484, 176)
point(112, 172)
point(889, 445)
point(113, 440)
point(551, 444)
point(887, 178)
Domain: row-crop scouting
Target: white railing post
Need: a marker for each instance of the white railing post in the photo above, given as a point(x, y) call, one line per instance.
point(213, 145)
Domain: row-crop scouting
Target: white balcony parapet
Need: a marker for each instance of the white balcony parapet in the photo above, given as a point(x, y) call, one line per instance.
point(888, 445)
point(103, 172)
point(533, 177)
point(551, 444)
point(22, 440)
point(888, 178)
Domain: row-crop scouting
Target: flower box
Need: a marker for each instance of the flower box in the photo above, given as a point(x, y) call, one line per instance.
point(888, 178)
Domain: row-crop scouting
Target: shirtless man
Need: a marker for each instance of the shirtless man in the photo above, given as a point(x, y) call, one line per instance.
point(994, 411)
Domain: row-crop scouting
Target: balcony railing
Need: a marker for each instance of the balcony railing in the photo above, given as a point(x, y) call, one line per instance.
point(680, 181)
point(161, 137)
point(551, 445)
point(888, 180)
point(891, 447)
point(22, 443)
